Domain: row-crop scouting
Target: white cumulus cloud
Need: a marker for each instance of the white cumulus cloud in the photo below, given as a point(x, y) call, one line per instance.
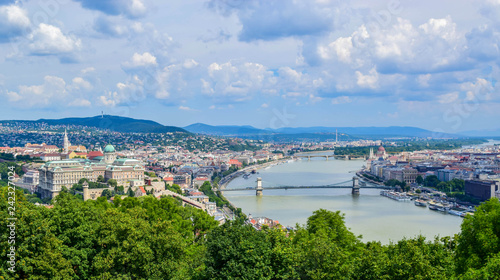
point(236, 83)
point(141, 60)
point(49, 40)
point(14, 22)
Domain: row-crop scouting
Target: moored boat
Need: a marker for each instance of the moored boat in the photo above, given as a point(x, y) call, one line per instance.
point(395, 195)
point(455, 212)
point(466, 213)
point(442, 208)
point(433, 206)
point(420, 202)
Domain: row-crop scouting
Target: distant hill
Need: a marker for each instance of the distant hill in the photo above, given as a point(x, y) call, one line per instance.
point(395, 131)
point(225, 130)
point(319, 132)
point(114, 123)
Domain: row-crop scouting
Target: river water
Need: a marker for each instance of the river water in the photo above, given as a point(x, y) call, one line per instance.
point(373, 216)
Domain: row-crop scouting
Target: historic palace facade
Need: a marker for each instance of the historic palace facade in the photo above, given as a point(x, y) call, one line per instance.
point(56, 174)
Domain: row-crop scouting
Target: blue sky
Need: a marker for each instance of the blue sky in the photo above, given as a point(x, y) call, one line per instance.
point(431, 64)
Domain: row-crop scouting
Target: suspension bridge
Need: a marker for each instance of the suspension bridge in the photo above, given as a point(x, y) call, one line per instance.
point(313, 156)
point(355, 184)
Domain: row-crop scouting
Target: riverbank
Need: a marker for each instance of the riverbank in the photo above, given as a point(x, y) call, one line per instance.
point(226, 180)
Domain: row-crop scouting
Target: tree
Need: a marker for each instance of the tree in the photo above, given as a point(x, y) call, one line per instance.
point(83, 180)
point(130, 192)
point(404, 186)
point(107, 193)
point(443, 186)
point(174, 188)
point(419, 180)
point(392, 183)
point(100, 179)
point(332, 224)
point(238, 251)
point(431, 181)
point(479, 240)
point(112, 182)
point(120, 190)
point(327, 249)
point(77, 187)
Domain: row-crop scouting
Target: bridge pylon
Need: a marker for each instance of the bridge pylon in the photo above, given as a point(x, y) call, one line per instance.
point(259, 189)
point(355, 185)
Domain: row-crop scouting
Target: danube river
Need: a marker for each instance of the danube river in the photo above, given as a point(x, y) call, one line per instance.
point(373, 216)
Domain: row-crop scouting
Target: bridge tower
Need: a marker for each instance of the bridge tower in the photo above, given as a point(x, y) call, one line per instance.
point(355, 185)
point(258, 191)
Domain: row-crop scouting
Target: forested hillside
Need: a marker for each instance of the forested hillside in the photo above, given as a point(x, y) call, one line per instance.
point(147, 238)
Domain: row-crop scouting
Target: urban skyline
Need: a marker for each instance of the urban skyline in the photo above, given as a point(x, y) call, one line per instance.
point(280, 63)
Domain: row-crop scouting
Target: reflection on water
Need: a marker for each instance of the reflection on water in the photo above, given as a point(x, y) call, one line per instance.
point(371, 215)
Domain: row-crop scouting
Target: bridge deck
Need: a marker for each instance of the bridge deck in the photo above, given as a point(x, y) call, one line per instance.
point(307, 187)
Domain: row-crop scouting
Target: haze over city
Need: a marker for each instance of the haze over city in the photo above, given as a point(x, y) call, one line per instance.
point(261, 63)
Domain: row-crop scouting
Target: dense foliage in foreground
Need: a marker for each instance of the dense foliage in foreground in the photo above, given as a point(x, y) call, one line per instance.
point(147, 238)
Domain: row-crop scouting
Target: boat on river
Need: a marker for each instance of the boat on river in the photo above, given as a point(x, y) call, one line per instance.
point(420, 202)
point(437, 206)
point(466, 213)
point(395, 195)
point(433, 205)
point(455, 213)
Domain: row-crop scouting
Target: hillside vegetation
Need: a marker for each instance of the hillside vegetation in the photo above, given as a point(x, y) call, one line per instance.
point(149, 238)
point(113, 123)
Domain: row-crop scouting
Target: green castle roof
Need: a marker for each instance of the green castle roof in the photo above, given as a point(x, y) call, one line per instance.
point(109, 149)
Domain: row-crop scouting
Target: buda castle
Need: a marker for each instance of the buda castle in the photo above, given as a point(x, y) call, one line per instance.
point(55, 174)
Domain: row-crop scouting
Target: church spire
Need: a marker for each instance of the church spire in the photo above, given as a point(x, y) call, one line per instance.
point(66, 142)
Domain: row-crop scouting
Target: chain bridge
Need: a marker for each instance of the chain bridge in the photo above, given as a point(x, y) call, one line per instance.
point(355, 184)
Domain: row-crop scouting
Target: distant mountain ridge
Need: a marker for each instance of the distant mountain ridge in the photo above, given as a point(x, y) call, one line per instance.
point(125, 124)
point(113, 123)
point(225, 130)
point(409, 131)
point(390, 131)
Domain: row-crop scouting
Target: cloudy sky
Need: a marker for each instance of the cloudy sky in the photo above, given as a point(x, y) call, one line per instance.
point(431, 64)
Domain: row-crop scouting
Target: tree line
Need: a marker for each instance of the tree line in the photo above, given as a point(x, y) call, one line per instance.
point(150, 238)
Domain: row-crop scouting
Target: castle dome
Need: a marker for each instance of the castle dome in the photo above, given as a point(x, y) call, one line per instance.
point(381, 149)
point(109, 149)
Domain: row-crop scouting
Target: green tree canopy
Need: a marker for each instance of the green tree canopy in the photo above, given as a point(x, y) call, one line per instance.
point(479, 240)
